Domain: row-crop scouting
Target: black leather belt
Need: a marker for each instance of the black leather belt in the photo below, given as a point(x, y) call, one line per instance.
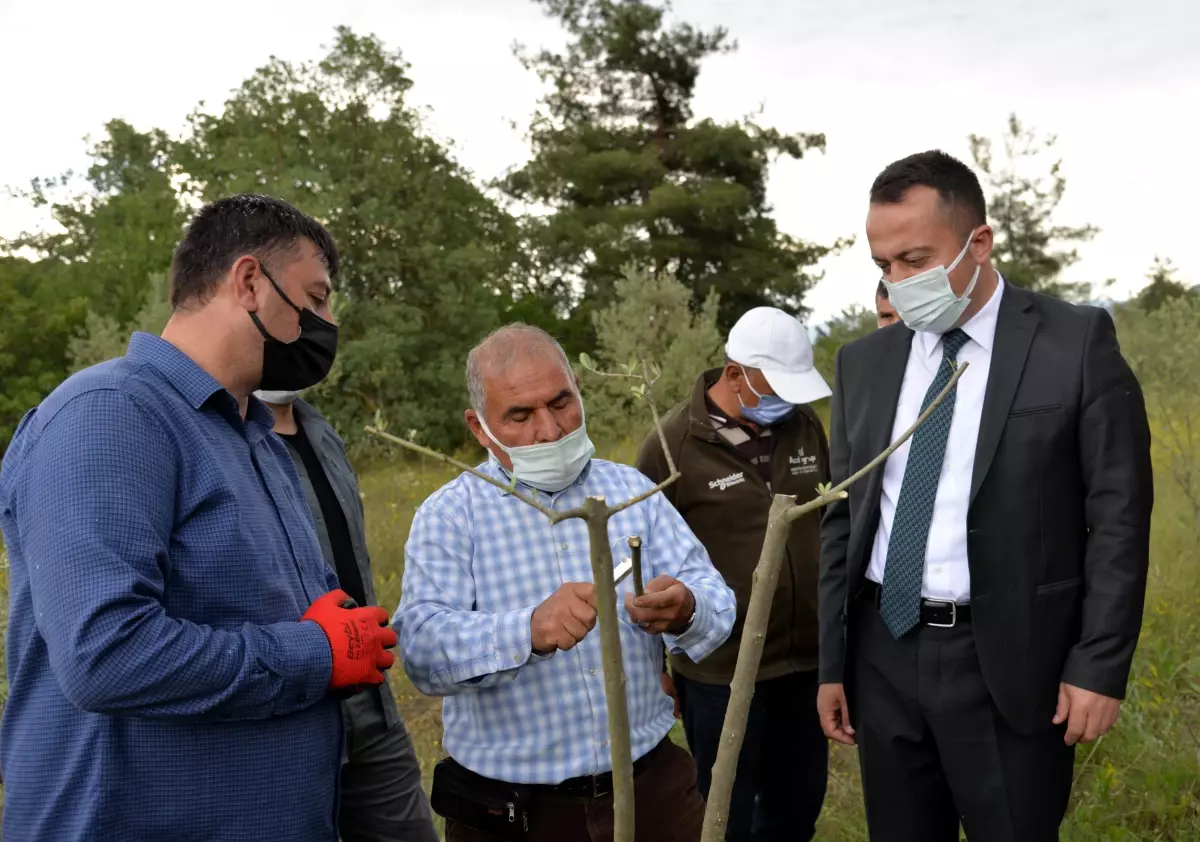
point(938, 613)
point(595, 786)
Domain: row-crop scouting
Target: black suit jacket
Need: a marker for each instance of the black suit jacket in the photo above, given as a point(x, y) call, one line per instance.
point(1058, 527)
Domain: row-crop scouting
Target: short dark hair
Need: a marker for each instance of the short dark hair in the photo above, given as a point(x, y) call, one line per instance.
point(228, 228)
point(954, 181)
point(881, 291)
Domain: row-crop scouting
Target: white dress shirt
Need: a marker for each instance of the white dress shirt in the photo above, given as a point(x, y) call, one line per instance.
point(946, 573)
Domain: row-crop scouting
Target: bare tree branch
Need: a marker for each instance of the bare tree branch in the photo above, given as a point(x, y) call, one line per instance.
point(596, 515)
point(658, 427)
point(620, 507)
point(635, 557)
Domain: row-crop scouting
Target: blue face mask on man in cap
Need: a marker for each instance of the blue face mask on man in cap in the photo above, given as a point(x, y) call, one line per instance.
point(771, 409)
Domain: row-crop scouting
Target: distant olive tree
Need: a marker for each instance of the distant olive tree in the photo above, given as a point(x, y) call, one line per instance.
point(1164, 287)
point(651, 317)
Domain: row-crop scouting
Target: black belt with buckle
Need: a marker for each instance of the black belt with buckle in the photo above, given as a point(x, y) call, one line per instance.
point(595, 786)
point(938, 613)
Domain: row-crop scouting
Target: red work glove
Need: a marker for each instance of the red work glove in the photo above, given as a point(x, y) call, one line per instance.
point(358, 638)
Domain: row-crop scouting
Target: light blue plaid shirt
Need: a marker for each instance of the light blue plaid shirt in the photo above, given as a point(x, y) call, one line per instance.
point(478, 561)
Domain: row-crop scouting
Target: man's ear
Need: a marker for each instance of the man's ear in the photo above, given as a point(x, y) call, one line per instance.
point(982, 244)
point(244, 279)
point(733, 375)
point(472, 419)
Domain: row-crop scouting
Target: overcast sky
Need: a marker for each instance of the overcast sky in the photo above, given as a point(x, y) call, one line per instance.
point(1118, 82)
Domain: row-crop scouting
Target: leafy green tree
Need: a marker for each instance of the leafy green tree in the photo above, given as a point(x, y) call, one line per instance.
point(115, 228)
point(42, 309)
point(627, 173)
point(427, 257)
point(1164, 287)
point(103, 338)
point(1032, 250)
point(650, 318)
point(118, 227)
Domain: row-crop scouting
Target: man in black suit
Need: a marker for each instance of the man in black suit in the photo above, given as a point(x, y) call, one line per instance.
point(981, 593)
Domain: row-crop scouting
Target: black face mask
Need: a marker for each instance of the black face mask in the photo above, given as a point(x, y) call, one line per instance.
point(296, 365)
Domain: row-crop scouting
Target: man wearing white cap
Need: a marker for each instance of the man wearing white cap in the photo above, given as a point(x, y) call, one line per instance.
point(746, 433)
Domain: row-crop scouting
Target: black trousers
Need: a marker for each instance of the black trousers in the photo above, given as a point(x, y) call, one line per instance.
point(934, 751)
point(784, 764)
point(667, 808)
point(382, 799)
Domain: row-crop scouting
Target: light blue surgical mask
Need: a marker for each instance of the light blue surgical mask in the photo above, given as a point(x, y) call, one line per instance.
point(927, 302)
point(771, 409)
point(550, 466)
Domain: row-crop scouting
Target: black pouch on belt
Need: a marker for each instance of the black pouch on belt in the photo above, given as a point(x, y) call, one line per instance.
point(496, 808)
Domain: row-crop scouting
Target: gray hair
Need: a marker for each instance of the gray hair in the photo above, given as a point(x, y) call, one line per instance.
point(501, 348)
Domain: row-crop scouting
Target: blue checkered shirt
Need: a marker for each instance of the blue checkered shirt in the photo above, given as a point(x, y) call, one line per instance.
point(478, 561)
point(161, 555)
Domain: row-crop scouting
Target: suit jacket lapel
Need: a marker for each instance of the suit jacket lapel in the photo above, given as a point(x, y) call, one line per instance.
point(1015, 326)
point(885, 389)
point(882, 398)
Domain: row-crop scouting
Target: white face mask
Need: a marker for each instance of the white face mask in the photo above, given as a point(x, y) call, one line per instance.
point(277, 398)
point(927, 302)
point(553, 465)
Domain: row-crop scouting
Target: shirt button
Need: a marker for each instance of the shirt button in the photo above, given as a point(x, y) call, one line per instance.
point(564, 545)
point(593, 670)
point(302, 698)
point(516, 657)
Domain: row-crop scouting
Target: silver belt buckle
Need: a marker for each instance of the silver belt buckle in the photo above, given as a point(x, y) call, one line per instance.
point(953, 614)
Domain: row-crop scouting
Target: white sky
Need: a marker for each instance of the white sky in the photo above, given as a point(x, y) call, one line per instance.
point(1118, 82)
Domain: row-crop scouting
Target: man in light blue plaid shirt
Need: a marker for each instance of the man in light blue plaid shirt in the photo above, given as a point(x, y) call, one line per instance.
point(498, 606)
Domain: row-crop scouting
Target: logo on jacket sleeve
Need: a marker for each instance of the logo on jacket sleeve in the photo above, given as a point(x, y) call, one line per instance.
point(801, 464)
point(726, 482)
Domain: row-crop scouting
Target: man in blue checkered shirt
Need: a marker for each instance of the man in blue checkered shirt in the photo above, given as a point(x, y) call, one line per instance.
point(498, 610)
point(177, 643)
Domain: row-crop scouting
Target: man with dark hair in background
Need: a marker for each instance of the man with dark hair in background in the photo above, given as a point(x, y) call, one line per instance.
point(885, 313)
point(177, 644)
point(982, 593)
point(382, 799)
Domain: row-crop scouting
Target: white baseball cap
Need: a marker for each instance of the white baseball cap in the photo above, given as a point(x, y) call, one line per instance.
point(776, 343)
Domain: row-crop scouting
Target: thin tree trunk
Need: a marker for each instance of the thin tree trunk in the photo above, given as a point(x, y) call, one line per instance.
point(596, 515)
point(745, 674)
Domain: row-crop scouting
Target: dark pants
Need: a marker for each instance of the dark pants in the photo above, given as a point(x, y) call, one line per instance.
point(667, 808)
point(382, 799)
point(784, 764)
point(934, 750)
